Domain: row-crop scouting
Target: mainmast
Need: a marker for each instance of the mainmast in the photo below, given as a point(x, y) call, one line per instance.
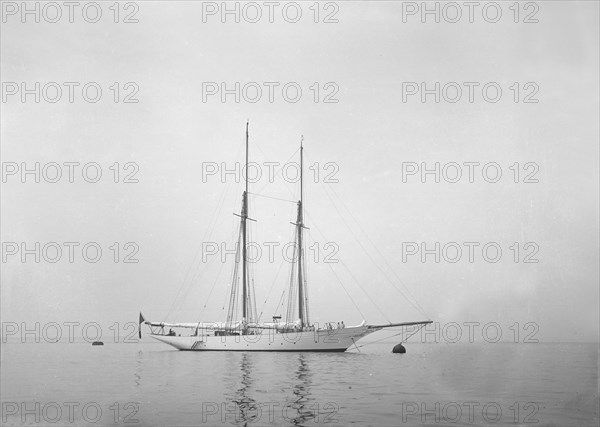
point(244, 218)
point(300, 226)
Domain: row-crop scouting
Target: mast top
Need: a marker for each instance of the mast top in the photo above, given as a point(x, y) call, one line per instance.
point(301, 167)
point(246, 164)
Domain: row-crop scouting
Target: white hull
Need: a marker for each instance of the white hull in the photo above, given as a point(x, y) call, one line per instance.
point(270, 340)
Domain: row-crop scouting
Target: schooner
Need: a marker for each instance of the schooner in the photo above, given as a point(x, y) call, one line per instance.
point(295, 333)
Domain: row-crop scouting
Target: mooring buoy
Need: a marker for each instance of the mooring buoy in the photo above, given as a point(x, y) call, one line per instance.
point(399, 349)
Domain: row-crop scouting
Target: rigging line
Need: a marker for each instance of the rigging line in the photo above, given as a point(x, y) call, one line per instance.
point(181, 294)
point(214, 284)
point(215, 215)
point(350, 272)
point(395, 335)
point(198, 276)
point(279, 170)
point(420, 308)
point(251, 318)
point(207, 234)
point(233, 278)
point(271, 288)
point(280, 303)
point(224, 300)
point(233, 303)
point(293, 195)
point(280, 306)
point(255, 144)
point(306, 238)
point(345, 290)
point(291, 309)
point(413, 303)
point(384, 338)
point(365, 292)
point(184, 290)
point(252, 276)
point(376, 306)
point(199, 273)
point(293, 287)
point(271, 197)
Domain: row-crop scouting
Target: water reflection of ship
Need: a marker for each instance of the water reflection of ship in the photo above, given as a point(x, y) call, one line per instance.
point(298, 409)
point(248, 410)
point(137, 373)
point(303, 405)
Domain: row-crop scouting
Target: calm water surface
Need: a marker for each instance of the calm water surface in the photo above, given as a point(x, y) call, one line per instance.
point(432, 384)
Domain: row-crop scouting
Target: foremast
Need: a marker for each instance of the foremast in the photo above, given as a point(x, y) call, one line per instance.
point(302, 291)
point(248, 304)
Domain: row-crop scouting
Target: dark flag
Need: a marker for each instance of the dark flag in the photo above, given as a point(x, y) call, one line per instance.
point(140, 325)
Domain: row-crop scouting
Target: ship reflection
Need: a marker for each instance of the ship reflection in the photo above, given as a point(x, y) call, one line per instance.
point(247, 410)
point(297, 409)
point(137, 372)
point(301, 407)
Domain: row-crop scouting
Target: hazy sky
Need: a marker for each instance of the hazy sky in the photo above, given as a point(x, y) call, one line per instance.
point(368, 135)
